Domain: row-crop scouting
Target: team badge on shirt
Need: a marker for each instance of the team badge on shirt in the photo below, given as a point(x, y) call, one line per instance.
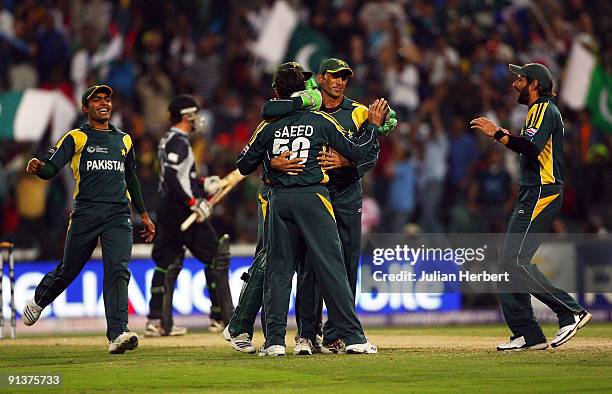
point(531, 132)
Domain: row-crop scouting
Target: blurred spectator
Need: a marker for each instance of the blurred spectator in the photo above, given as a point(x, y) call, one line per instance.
point(154, 89)
point(434, 145)
point(205, 73)
point(402, 197)
point(462, 155)
point(491, 195)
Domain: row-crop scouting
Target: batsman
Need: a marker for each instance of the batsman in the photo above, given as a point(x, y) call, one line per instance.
point(183, 193)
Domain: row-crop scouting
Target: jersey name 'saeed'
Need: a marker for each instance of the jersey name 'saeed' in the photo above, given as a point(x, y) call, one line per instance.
point(112, 165)
point(294, 131)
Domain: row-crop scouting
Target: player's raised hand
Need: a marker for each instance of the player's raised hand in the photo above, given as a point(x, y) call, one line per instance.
point(330, 160)
point(282, 163)
point(377, 112)
point(34, 165)
point(484, 125)
point(148, 232)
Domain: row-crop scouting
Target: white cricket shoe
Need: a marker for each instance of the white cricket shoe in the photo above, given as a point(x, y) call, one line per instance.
point(303, 347)
point(273, 350)
point(241, 342)
point(566, 333)
point(362, 348)
point(31, 312)
point(520, 344)
point(125, 341)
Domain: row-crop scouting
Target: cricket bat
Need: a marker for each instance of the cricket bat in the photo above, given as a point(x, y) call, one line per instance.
point(228, 183)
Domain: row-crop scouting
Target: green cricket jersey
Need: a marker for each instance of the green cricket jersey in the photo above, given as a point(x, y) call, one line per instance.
point(351, 115)
point(544, 127)
point(304, 133)
point(98, 159)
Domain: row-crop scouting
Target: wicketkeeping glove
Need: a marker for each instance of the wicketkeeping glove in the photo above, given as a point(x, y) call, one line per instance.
point(390, 123)
point(311, 99)
point(212, 184)
point(202, 208)
point(311, 84)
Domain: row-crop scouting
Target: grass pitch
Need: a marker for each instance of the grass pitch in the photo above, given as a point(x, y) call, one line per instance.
point(430, 359)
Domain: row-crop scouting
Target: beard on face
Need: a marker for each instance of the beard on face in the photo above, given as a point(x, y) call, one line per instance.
point(523, 97)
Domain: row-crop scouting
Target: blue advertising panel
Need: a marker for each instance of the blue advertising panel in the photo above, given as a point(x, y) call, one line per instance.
point(83, 298)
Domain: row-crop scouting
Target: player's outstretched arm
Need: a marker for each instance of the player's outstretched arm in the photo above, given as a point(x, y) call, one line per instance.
point(517, 144)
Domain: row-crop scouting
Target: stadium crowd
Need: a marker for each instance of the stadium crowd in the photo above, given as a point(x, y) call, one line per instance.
point(440, 64)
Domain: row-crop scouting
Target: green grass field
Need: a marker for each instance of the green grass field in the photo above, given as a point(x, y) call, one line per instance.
point(431, 359)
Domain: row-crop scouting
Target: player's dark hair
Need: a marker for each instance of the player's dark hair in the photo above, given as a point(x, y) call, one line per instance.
point(288, 81)
point(541, 90)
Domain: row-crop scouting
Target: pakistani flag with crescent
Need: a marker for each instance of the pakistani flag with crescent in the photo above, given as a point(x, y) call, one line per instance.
point(283, 38)
point(587, 84)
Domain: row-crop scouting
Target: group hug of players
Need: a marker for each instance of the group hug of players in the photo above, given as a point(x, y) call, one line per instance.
point(314, 146)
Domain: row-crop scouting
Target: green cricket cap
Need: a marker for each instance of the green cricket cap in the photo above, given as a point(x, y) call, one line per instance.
point(289, 66)
point(93, 90)
point(333, 65)
point(536, 71)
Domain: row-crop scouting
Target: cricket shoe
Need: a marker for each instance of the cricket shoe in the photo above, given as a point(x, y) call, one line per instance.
point(154, 329)
point(317, 346)
point(362, 348)
point(518, 343)
point(273, 350)
point(303, 347)
point(334, 347)
point(566, 333)
point(216, 325)
point(31, 312)
point(241, 342)
point(125, 341)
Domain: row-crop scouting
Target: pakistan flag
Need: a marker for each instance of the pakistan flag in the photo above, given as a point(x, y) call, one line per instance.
point(26, 115)
point(599, 99)
point(587, 84)
point(308, 47)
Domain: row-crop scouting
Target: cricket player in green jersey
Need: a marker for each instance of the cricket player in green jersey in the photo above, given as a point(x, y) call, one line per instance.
point(300, 216)
point(540, 146)
point(239, 331)
point(103, 163)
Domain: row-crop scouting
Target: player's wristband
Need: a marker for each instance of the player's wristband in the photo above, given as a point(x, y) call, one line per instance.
point(192, 201)
point(499, 134)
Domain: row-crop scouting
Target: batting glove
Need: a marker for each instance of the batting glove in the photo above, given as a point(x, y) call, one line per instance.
point(311, 99)
point(212, 184)
point(202, 208)
point(390, 123)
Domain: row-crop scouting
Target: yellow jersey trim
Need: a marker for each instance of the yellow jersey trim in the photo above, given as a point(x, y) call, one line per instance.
point(328, 206)
point(545, 158)
point(541, 204)
point(359, 115)
point(540, 116)
point(257, 131)
point(127, 143)
point(264, 206)
point(333, 121)
point(80, 139)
